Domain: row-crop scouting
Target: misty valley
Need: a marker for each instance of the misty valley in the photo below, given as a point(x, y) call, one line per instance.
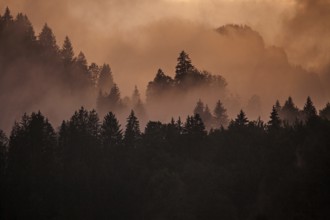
point(72, 146)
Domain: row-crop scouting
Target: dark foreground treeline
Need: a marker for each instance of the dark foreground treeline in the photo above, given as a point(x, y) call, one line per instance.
point(92, 169)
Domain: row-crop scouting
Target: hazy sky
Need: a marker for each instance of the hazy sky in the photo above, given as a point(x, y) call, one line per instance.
point(87, 21)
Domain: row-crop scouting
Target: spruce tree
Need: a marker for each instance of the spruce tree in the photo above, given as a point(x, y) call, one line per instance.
point(220, 114)
point(275, 121)
point(183, 67)
point(132, 132)
point(309, 110)
point(111, 134)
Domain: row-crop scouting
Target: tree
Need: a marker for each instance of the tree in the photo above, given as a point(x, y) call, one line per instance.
point(240, 121)
point(221, 117)
point(289, 112)
point(114, 98)
point(94, 73)
point(132, 132)
point(275, 121)
point(325, 112)
point(199, 108)
point(194, 127)
point(160, 85)
point(47, 41)
point(309, 110)
point(67, 52)
point(24, 30)
point(183, 67)
point(7, 17)
point(105, 80)
point(82, 62)
point(207, 117)
point(111, 134)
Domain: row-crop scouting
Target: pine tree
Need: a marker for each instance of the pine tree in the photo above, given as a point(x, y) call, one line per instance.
point(309, 110)
point(7, 17)
point(136, 96)
point(220, 114)
point(199, 108)
point(114, 98)
point(194, 127)
point(207, 117)
point(67, 51)
point(289, 112)
point(94, 73)
point(241, 120)
point(325, 112)
point(111, 134)
point(105, 80)
point(132, 132)
point(47, 41)
point(275, 121)
point(183, 67)
point(82, 62)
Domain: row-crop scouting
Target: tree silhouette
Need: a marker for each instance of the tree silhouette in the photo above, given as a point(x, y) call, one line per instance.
point(183, 66)
point(105, 79)
point(67, 51)
point(309, 110)
point(111, 134)
point(289, 112)
point(325, 112)
point(275, 121)
point(199, 108)
point(47, 41)
point(240, 121)
point(132, 132)
point(220, 114)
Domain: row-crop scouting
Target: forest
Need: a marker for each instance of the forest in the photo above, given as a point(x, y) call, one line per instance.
point(203, 166)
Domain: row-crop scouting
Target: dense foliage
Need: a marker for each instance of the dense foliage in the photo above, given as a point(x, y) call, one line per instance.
point(92, 169)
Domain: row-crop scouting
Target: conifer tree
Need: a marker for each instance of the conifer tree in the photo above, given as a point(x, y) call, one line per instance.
point(183, 67)
point(325, 112)
point(111, 134)
point(220, 114)
point(309, 110)
point(132, 132)
point(275, 121)
point(241, 120)
point(289, 112)
point(67, 51)
point(47, 41)
point(105, 80)
point(199, 108)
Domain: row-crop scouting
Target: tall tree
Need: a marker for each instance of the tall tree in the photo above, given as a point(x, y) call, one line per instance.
point(114, 98)
point(325, 112)
point(111, 134)
point(289, 112)
point(199, 108)
point(241, 120)
point(309, 110)
point(67, 52)
point(275, 121)
point(220, 114)
point(105, 81)
point(183, 66)
point(132, 132)
point(47, 41)
point(94, 74)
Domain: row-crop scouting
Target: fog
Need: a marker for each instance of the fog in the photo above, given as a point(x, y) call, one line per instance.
point(284, 53)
